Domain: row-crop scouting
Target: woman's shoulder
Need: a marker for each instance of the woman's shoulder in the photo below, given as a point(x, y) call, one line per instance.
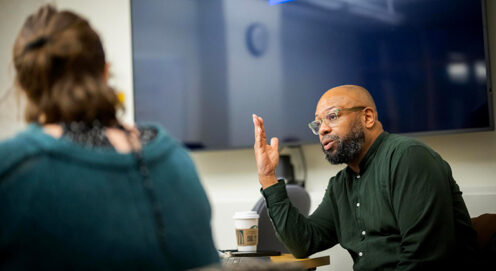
point(18, 148)
point(157, 142)
point(150, 132)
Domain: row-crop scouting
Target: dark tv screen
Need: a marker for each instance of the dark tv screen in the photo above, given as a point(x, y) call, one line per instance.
point(202, 67)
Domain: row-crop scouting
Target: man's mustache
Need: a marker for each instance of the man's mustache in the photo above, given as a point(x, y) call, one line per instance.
point(330, 137)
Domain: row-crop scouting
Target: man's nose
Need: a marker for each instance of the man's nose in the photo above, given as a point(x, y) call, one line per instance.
point(324, 129)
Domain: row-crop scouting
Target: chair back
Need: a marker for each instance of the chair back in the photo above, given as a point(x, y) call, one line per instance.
point(485, 226)
point(267, 239)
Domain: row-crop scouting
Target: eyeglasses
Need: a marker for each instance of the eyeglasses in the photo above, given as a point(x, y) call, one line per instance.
point(331, 118)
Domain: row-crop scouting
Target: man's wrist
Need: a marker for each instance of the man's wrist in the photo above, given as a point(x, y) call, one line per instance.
point(275, 193)
point(267, 181)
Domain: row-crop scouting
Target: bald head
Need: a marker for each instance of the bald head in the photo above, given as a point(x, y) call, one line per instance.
point(352, 95)
point(349, 96)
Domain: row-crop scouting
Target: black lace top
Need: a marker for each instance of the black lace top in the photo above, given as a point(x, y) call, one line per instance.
point(93, 136)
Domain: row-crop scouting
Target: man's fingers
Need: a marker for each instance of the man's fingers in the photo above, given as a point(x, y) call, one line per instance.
point(260, 138)
point(256, 127)
point(258, 134)
point(263, 137)
point(260, 120)
point(274, 143)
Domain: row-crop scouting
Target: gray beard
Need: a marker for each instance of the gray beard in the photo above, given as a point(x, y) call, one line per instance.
point(347, 148)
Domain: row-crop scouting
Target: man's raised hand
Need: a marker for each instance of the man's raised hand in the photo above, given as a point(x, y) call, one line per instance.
point(267, 156)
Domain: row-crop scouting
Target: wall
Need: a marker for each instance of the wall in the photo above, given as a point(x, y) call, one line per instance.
point(230, 176)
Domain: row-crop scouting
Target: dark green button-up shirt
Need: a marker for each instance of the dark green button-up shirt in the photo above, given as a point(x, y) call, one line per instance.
point(403, 211)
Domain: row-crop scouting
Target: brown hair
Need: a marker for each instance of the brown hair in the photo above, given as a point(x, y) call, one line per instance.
point(60, 65)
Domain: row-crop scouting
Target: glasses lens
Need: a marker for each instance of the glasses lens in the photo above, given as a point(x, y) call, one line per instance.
point(314, 126)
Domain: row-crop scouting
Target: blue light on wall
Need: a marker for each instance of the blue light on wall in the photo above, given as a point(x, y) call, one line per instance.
point(275, 2)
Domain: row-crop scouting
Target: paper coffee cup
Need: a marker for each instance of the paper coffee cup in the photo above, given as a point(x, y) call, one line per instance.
point(246, 224)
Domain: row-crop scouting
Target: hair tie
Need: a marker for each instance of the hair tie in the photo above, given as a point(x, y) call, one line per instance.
point(37, 43)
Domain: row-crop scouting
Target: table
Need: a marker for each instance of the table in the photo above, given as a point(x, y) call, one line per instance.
point(307, 263)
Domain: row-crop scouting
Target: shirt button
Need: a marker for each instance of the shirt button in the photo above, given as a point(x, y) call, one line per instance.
point(358, 204)
point(358, 176)
point(360, 254)
point(363, 232)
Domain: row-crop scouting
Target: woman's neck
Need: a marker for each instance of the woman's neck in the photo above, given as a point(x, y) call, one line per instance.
point(123, 141)
point(55, 130)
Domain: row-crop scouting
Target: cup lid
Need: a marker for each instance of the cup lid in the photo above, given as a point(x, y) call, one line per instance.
point(246, 215)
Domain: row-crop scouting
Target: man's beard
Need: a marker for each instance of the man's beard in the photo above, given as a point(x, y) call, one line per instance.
point(348, 147)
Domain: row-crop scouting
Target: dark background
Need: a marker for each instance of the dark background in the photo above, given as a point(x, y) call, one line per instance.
point(422, 60)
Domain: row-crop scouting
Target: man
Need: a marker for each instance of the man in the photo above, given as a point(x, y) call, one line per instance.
point(394, 207)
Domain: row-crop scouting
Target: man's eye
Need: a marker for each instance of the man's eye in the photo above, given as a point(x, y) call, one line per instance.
point(332, 116)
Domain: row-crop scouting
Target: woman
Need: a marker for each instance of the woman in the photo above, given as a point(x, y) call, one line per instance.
point(78, 190)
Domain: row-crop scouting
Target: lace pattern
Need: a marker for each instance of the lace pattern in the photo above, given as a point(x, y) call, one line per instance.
point(93, 136)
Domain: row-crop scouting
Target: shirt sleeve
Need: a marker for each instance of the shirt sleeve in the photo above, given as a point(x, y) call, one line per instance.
point(302, 236)
point(422, 202)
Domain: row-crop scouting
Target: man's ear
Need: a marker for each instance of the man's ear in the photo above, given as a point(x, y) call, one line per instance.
point(369, 117)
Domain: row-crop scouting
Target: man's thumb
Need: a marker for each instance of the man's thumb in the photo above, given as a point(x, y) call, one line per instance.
point(274, 143)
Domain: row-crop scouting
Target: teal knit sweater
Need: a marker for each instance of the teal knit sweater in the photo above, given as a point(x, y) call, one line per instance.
point(64, 206)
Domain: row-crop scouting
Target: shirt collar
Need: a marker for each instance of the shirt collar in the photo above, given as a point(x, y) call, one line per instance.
point(372, 151)
point(367, 159)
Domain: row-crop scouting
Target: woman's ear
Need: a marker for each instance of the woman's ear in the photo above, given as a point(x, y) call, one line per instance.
point(106, 72)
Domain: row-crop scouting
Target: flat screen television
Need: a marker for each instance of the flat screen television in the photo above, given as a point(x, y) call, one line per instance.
point(202, 67)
